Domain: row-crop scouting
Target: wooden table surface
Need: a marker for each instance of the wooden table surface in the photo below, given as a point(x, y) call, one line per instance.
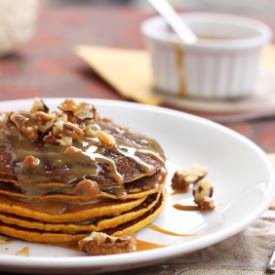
point(47, 66)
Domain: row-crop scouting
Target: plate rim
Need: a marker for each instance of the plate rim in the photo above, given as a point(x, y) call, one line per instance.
point(147, 257)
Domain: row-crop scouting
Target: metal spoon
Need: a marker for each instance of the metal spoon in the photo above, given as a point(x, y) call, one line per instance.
point(270, 268)
point(164, 8)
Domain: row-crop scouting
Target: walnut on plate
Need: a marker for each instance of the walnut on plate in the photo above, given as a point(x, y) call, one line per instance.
point(183, 178)
point(202, 187)
point(203, 193)
point(99, 243)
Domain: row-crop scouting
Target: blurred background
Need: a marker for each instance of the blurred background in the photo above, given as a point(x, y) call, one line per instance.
point(38, 42)
point(259, 8)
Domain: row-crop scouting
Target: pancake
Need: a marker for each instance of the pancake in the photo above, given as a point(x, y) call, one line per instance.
point(97, 224)
point(61, 192)
point(63, 238)
point(70, 172)
point(63, 212)
point(135, 225)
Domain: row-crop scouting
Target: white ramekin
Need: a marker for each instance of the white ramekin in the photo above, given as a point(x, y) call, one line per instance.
point(208, 69)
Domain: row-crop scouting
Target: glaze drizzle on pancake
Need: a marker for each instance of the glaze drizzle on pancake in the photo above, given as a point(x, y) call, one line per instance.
point(132, 157)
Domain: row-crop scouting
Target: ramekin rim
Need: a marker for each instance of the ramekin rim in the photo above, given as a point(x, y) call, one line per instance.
point(263, 37)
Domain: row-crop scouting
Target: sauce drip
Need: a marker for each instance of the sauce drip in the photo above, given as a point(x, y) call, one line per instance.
point(176, 192)
point(141, 246)
point(186, 207)
point(179, 60)
point(50, 207)
point(72, 246)
point(25, 251)
point(5, 240)
point(144, 245)
point(167, 232)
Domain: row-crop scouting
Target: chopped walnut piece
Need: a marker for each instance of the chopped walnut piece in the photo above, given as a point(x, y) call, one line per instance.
point(85, 111)
point(106, 119)
point(62, 117)
point(202, 190)
point(72, 130)
point(90, 132)
point(72, 124)
point(51, 139)
point(65, 141)
point(207, 204)
point(183, 178)
point(203, 194)
point(61, 140)
point(30, 162)
point(68, 105)
point(39, 105)
point(106, 139)
point(44, 121)
point(80, 110)
point(87, 187)
point(29, 132)
point(58, 127)
point(99, 243)
point(22, 123)
point(68, 129)
point(19, 120)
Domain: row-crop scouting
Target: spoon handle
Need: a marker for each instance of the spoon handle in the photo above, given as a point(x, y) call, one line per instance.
point(164, 8)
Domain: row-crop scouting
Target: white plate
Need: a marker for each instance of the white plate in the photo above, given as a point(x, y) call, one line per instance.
point(241, 172)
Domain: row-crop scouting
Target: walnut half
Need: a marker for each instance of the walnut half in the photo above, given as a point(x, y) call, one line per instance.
point(203, 194)
point(99, 243)
point(202, 187)
point(183, 178)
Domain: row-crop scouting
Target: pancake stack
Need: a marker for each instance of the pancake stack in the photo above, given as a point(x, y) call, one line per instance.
point(67, 173)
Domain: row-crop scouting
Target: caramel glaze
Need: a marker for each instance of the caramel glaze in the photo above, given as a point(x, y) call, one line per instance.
point(186, 207)
point(71, 246)
point(140, 246)
point(25, 251)
point(176, 192)
point(144, 245)
point(47, 192)
point(5, 240)
point(92, 160)
point(167, 232)
point(179, 60)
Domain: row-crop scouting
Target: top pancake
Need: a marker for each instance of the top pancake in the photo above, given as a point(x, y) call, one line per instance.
point(81, 149)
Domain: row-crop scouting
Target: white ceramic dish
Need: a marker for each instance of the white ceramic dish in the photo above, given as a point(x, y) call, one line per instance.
point(241, 172)
point(211, 68)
